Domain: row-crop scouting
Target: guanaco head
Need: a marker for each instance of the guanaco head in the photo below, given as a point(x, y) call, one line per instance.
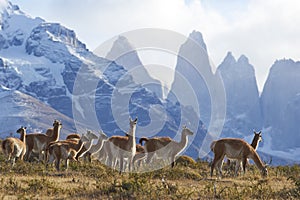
point(132, 124)
point(186, 131)
point(84, 139)
point(257, 136)
point(90, 135)
point(103, 136)
point(57, 123)
point(21, 130)
point(264, 171)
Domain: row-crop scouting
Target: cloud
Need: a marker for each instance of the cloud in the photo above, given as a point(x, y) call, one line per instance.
point(268, 30)
point(262, 30)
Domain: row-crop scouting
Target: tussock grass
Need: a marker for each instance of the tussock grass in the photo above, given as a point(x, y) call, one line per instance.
point(187, 180)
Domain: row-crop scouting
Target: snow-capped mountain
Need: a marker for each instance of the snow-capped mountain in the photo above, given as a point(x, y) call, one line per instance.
point(47, 73)
point(280, 101)
point(19, 109)
point(48, 62)
point(15, 25)
point(242, 97)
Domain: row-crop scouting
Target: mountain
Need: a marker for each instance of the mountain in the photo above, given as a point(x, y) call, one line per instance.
point(15, 25)
point(19, 109)
point(199, 91)
point(48, 66)
point(192, 72)
point(280, 102)
point(46, 72)
point(243, 112)
point(123, 53)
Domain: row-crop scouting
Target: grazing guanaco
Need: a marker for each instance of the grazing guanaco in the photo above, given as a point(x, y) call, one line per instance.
point(237, 149)
point(255, 142)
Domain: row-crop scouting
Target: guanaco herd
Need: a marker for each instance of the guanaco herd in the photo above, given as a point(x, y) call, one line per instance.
point(123, 149)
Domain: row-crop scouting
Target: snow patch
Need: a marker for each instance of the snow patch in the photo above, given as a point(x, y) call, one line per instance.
point(291, 153)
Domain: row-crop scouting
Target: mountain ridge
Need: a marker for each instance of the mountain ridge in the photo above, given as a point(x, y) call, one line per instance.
point(52, 65)
point(43, 60)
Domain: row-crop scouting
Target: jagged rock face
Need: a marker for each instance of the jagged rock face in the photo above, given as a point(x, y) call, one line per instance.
point(15, 25)
point(242, 97)
point(124, 54)
point(280, 104)
point(3, 42)
point(192, 66)
point(52, 40)
point(43, 60)
point(46, 66)
point(8, 77)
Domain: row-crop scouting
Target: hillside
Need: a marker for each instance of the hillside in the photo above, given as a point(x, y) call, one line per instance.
point(188, 180)
point(19, 109)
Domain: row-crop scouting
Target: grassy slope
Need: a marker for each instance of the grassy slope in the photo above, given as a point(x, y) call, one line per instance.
point(187, 180)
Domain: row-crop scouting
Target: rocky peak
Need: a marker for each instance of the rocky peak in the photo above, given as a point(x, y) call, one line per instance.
point(243, 60)
point(197, 37)
point(7, 9)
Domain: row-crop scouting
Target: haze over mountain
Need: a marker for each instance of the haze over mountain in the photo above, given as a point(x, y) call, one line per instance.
point(242, 97)
point(48, 62)
point(193, 66)
point(123, 53)
point(280, 101)
point(46, 72)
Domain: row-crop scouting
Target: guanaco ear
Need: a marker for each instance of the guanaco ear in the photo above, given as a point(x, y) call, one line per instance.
point(102, 133)
point(184, 126)
point(135, 119)
point(25, 127)
point(259, 132)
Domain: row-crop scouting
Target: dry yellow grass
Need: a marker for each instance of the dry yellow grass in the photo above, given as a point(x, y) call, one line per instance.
point(188, 180)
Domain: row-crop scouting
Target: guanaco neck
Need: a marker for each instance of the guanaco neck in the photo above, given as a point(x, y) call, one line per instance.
point(255, 141)
point(97, 146)
point(23, 136)
point(99, 143)
point(79, 146)
point(131, 137)
point(56, 130)
point(184, 140)
point(254, 156)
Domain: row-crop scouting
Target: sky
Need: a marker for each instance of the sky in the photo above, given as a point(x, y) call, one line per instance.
point(264, 31)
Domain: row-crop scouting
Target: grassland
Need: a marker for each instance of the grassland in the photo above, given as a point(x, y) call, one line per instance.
point(188, 180)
